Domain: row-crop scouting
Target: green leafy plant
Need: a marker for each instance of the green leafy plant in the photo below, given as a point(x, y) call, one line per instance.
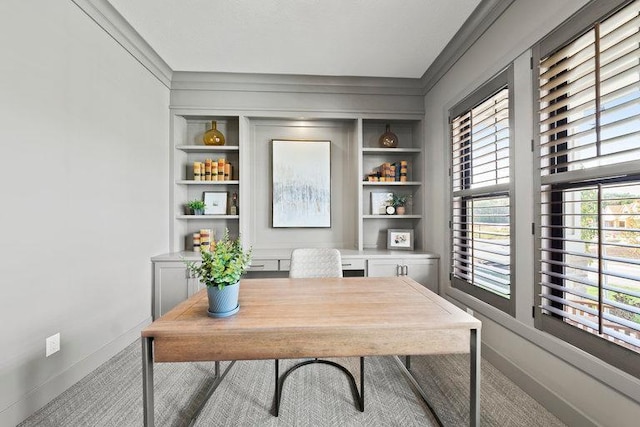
point(397, 200)
point(196, 204)
point(224, 265)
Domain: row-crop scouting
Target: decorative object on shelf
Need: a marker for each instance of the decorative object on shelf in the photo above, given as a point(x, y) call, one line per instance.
point(213, 136)
point(398, 201)
point(379, 202)
point(388, 139)
point(215, 202)
point(401, 239)
point(212, 170)
point(198, 171)
point(301, 183)
point(233, 210)
point(196, 206)
point(389, 172)
point(228, 171)
point(196, 242)
point(205, 239)
point(390, 210)
point(220, 271)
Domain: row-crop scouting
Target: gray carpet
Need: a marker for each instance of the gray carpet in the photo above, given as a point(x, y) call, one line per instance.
point(315, 395)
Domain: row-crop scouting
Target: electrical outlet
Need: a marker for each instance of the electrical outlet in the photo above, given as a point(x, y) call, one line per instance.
point(469, 311)
point(52, 344)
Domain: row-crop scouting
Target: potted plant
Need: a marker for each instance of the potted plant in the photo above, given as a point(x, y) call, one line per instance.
point(196, 206)
point(220, 271)
point(398, 201)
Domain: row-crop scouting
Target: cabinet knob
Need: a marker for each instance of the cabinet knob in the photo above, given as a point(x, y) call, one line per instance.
point(405, 270)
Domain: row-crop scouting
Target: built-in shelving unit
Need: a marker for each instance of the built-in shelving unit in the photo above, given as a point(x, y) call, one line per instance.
point(188, 148)
point(410, 149)
point(355, 153)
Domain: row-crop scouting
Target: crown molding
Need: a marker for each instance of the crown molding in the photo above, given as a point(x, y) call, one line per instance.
point(110, 20)
point(253, 82)
point(484, 15)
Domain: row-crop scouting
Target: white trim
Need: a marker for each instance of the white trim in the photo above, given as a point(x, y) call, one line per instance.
point(590, 365)
point(108, 18)
point(484, 15)
point(553, 402)
point(40, 396)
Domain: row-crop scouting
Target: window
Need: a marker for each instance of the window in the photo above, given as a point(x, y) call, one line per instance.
point(481, 193)
point(589, 224)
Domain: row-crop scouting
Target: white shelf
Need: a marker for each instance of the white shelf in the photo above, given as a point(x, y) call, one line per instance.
point(207, 217)
point(392, 216)
point(207, 148)
point(392, 183)
point(378, 150)
point(192, 182)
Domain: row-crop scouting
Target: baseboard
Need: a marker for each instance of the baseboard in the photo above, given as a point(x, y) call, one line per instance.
point(553, 402)
point(22, 409)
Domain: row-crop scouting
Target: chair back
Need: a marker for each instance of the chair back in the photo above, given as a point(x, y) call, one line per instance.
point(315, 262)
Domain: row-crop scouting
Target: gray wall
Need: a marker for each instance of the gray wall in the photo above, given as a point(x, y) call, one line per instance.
point(83, 173)
point(579, 388)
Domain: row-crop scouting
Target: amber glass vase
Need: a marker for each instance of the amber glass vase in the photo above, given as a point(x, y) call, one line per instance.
point(213, 136)
point(388, 139)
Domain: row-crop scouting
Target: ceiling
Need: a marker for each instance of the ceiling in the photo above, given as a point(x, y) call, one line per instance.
point(369, 38)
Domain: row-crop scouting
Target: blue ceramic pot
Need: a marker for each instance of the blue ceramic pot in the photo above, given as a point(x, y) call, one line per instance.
point(223, 302)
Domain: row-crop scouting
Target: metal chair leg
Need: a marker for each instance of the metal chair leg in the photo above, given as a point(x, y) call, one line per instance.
point(279, 381)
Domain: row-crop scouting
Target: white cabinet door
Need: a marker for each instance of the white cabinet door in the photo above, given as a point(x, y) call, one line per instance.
point(171, 285)
point(389, 267)
point(423, 271)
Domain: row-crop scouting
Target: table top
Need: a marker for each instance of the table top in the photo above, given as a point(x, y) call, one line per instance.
point(324, 317)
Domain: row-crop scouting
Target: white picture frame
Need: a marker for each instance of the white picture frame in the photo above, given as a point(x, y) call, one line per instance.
point(215, 202)
point(379, 202)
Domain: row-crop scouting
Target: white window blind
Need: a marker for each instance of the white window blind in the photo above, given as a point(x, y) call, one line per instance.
point(589, 122)
point(590, 99)
point(481, 214)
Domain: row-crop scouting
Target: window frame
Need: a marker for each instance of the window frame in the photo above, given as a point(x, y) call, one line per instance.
point(611, 353)
point(504, 78)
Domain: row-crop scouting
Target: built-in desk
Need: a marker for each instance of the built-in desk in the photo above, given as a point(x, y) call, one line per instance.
point(173, 284)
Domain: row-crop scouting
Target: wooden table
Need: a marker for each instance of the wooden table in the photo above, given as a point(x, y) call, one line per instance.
point(326, 317)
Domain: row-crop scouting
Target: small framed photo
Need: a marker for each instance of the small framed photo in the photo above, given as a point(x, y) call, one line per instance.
point(379, 202)
point(400, 239)
point(215, 202)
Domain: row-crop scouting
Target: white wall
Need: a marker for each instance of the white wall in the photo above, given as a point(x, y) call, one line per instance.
point(586, 390)
point(83, 173)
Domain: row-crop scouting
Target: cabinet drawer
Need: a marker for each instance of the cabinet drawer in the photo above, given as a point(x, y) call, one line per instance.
point(353, 264)
point(263, 265)
point(347, 264)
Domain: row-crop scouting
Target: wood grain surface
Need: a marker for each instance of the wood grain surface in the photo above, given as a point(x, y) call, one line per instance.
point(325, 317)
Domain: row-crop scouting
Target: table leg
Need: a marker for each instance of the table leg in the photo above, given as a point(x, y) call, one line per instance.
point(414, 382)
point(361, 401)
point(474, 386)
point(277, 410)
point(147, 380)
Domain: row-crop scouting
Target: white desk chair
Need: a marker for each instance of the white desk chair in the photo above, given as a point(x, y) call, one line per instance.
point(314, 263)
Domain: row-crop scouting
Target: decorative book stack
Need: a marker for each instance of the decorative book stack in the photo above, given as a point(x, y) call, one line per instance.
point(212, 170)
point(203, 241)
point(389, 172)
